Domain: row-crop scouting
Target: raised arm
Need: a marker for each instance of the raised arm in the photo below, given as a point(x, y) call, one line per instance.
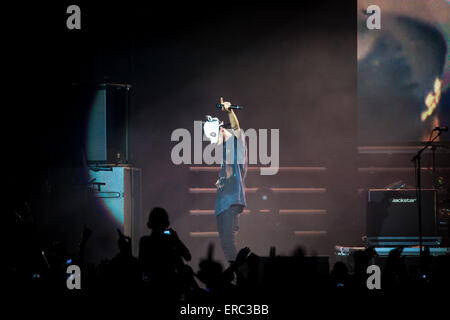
point(232, 116)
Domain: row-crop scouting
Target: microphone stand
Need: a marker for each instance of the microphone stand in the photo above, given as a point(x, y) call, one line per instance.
point(433, 168)
point(417, 159)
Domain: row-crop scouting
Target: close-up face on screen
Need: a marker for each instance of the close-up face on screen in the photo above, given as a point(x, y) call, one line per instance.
point(403, 73)
point(226, 160)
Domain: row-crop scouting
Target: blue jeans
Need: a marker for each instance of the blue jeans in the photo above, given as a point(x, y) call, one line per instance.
point(228, 225)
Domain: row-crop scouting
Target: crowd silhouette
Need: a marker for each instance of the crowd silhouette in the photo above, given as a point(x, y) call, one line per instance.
point(162, 270)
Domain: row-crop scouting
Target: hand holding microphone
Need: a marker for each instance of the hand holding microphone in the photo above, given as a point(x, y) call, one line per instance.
point(227, 106)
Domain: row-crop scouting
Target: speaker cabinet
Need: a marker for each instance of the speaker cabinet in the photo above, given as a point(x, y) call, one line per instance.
point(117, 191)
point(107, 136)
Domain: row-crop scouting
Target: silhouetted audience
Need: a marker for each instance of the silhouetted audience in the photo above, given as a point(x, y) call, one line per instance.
point(161, 253)
point(219, 283)
point(339, 277)
point(160, 271)
point(123, 271)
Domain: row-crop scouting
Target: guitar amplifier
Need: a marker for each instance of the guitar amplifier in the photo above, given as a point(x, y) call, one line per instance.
point(392, 217)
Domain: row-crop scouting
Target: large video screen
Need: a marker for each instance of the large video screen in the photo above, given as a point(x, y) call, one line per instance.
point(403, 72)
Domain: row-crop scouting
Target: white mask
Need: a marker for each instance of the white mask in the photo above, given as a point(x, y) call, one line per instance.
point(211, 128)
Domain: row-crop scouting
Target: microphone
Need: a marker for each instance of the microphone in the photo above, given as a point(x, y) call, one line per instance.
point(442, 129)
point(231, 107)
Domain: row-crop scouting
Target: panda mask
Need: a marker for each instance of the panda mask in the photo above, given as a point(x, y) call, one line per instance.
point(211, 127)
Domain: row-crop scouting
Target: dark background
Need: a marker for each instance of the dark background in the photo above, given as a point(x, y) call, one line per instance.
point(291, 65)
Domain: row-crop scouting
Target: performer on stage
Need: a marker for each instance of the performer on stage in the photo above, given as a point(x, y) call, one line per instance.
point(230, 197)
